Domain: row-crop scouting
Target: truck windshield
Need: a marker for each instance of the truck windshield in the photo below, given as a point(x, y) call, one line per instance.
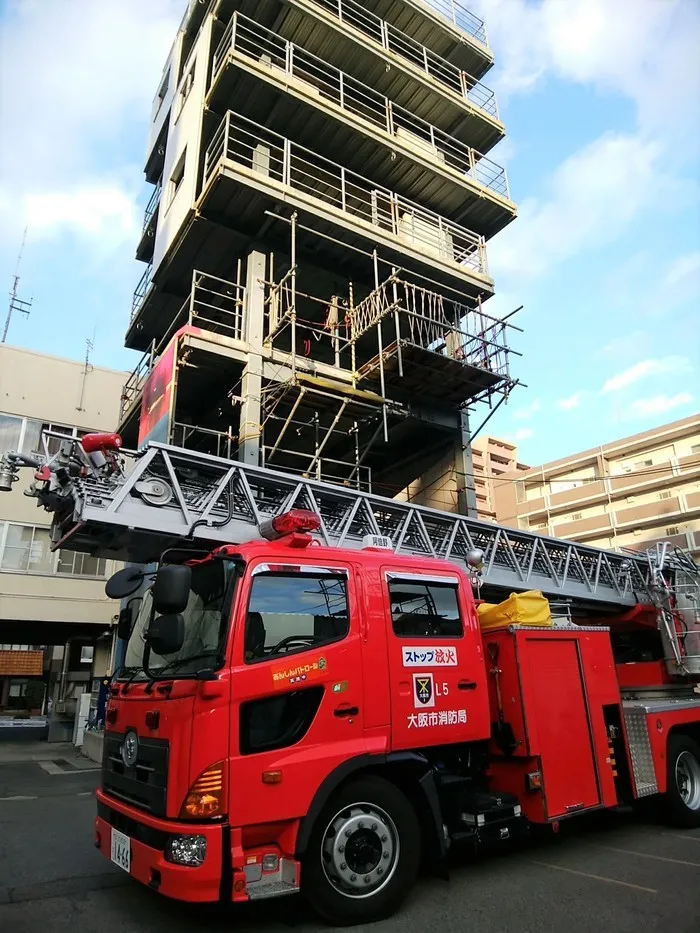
point(206, 625)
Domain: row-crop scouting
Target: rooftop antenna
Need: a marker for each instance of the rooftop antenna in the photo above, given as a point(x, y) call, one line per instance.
point(87, 368)
point(16, 303)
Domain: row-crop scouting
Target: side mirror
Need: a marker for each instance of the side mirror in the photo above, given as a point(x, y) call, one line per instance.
point(124, 583)
point(171, 590)
point(166, 634)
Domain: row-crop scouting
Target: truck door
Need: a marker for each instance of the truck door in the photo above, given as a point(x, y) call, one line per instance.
point(296, 687)
point(438, 679)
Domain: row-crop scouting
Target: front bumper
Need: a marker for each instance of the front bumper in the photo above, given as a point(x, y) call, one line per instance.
point(149, 836)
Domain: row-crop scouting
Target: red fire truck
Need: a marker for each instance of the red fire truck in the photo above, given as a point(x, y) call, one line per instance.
point(308, 702)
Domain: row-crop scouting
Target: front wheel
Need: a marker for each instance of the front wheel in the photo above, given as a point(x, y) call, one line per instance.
point(363, 853)
point(683, 783)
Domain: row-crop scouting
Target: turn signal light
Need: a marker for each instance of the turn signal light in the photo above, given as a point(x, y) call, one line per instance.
point(205, 797)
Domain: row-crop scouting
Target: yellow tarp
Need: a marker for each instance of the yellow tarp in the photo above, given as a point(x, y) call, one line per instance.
point(529, 608)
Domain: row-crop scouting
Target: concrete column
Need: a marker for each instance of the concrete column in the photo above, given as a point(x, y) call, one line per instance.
point(464, 468)
point(251, 389)
point(250, 432)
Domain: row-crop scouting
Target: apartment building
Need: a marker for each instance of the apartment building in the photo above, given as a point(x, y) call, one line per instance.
point(439, 487)
point(316, 280)
point(627, 494)
point(55, 620)
point(492, 457)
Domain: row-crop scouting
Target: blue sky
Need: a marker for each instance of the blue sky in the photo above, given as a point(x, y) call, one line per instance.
point(601, 101)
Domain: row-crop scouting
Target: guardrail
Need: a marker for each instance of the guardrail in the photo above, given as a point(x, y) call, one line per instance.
point(214, 304)
point(394, 40)
point(462, 18)
point(152, 205)
point(257, 148)
point(434, 322)
point(142, 289)
point(263, 46)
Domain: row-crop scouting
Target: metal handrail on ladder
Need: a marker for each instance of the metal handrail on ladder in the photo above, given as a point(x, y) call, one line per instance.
point(164, 494)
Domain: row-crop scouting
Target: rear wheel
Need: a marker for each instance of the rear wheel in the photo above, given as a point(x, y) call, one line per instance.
point(363, 853)
point(683, 782)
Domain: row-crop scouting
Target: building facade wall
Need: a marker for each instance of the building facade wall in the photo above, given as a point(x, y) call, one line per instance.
point(41, 591)
point(627, 494)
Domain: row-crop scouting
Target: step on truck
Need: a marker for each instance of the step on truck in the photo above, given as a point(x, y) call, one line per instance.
point(324, 688)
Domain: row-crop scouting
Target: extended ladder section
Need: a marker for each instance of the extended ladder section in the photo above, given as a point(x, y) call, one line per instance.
point(135, 506)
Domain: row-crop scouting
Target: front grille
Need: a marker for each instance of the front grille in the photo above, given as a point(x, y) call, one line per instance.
point(153, 838)
point(145, 784)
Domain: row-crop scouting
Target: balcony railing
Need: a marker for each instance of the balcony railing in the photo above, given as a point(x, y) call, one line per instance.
point(433, 322)
point(141, 290)
point(214, 304)
point(152, 205)
point(463, 19)
point(268, 154)
point(246, 37)
point(394, 40)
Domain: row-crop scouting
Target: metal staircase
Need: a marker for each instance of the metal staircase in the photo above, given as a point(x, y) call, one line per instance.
point(134, 506)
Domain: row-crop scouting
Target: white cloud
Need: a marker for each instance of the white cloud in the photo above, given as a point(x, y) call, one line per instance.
point(644, 369)
point(593, 196)
point(659, 404)
point(89, 210)
point(573, 401)
point(522, 434)
point(645, 50)
point(66, 126)
point(527, 411)
point(681, 269)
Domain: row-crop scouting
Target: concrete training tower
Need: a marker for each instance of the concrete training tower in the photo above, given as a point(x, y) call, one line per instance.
point(315, 244)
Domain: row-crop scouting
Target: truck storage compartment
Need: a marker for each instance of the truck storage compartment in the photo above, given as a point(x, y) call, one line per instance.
point(548, 690)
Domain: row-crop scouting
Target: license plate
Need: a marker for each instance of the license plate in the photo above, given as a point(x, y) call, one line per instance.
point(121, 850)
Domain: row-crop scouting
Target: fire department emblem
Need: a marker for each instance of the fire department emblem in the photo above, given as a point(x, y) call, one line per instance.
point(130, 749)
point(423, 690)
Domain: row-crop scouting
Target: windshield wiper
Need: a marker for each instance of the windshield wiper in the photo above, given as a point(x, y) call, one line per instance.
point(130, 680)
point(178, 662)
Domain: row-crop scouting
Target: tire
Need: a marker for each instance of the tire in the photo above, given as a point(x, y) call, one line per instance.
point(683, 782)
point(383, 839)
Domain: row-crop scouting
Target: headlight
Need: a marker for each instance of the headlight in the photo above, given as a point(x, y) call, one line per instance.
point(186, 850)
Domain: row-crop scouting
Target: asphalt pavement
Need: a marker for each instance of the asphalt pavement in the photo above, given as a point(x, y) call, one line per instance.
point(617, 873)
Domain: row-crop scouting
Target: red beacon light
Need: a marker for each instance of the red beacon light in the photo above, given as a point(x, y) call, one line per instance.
point(296, 521)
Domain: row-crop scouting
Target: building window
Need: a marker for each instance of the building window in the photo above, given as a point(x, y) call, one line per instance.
point(666, 494)
point(177, 176)
point(33, 437)
point(185, 89)
point(26, 549)
point(673, 530)
point(80, 564)
point(640, 464)
point(87, 652)
point(695, 449)
point(162, 93)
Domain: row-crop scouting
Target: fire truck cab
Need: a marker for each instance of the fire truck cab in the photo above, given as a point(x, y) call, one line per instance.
point(295, 716)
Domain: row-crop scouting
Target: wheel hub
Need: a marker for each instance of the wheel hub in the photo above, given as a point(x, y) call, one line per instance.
point(360, 850)
point(688, 780)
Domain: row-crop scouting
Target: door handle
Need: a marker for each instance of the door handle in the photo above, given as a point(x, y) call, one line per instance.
point(467, 685)
point(346, 711)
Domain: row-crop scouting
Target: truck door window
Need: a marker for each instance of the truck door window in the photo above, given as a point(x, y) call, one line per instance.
point(424, 609)
point(288, 613)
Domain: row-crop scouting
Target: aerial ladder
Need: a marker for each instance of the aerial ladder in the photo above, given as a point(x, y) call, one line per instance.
point(133, 505)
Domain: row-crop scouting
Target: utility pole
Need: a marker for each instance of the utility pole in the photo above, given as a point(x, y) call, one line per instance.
point(16, 303)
